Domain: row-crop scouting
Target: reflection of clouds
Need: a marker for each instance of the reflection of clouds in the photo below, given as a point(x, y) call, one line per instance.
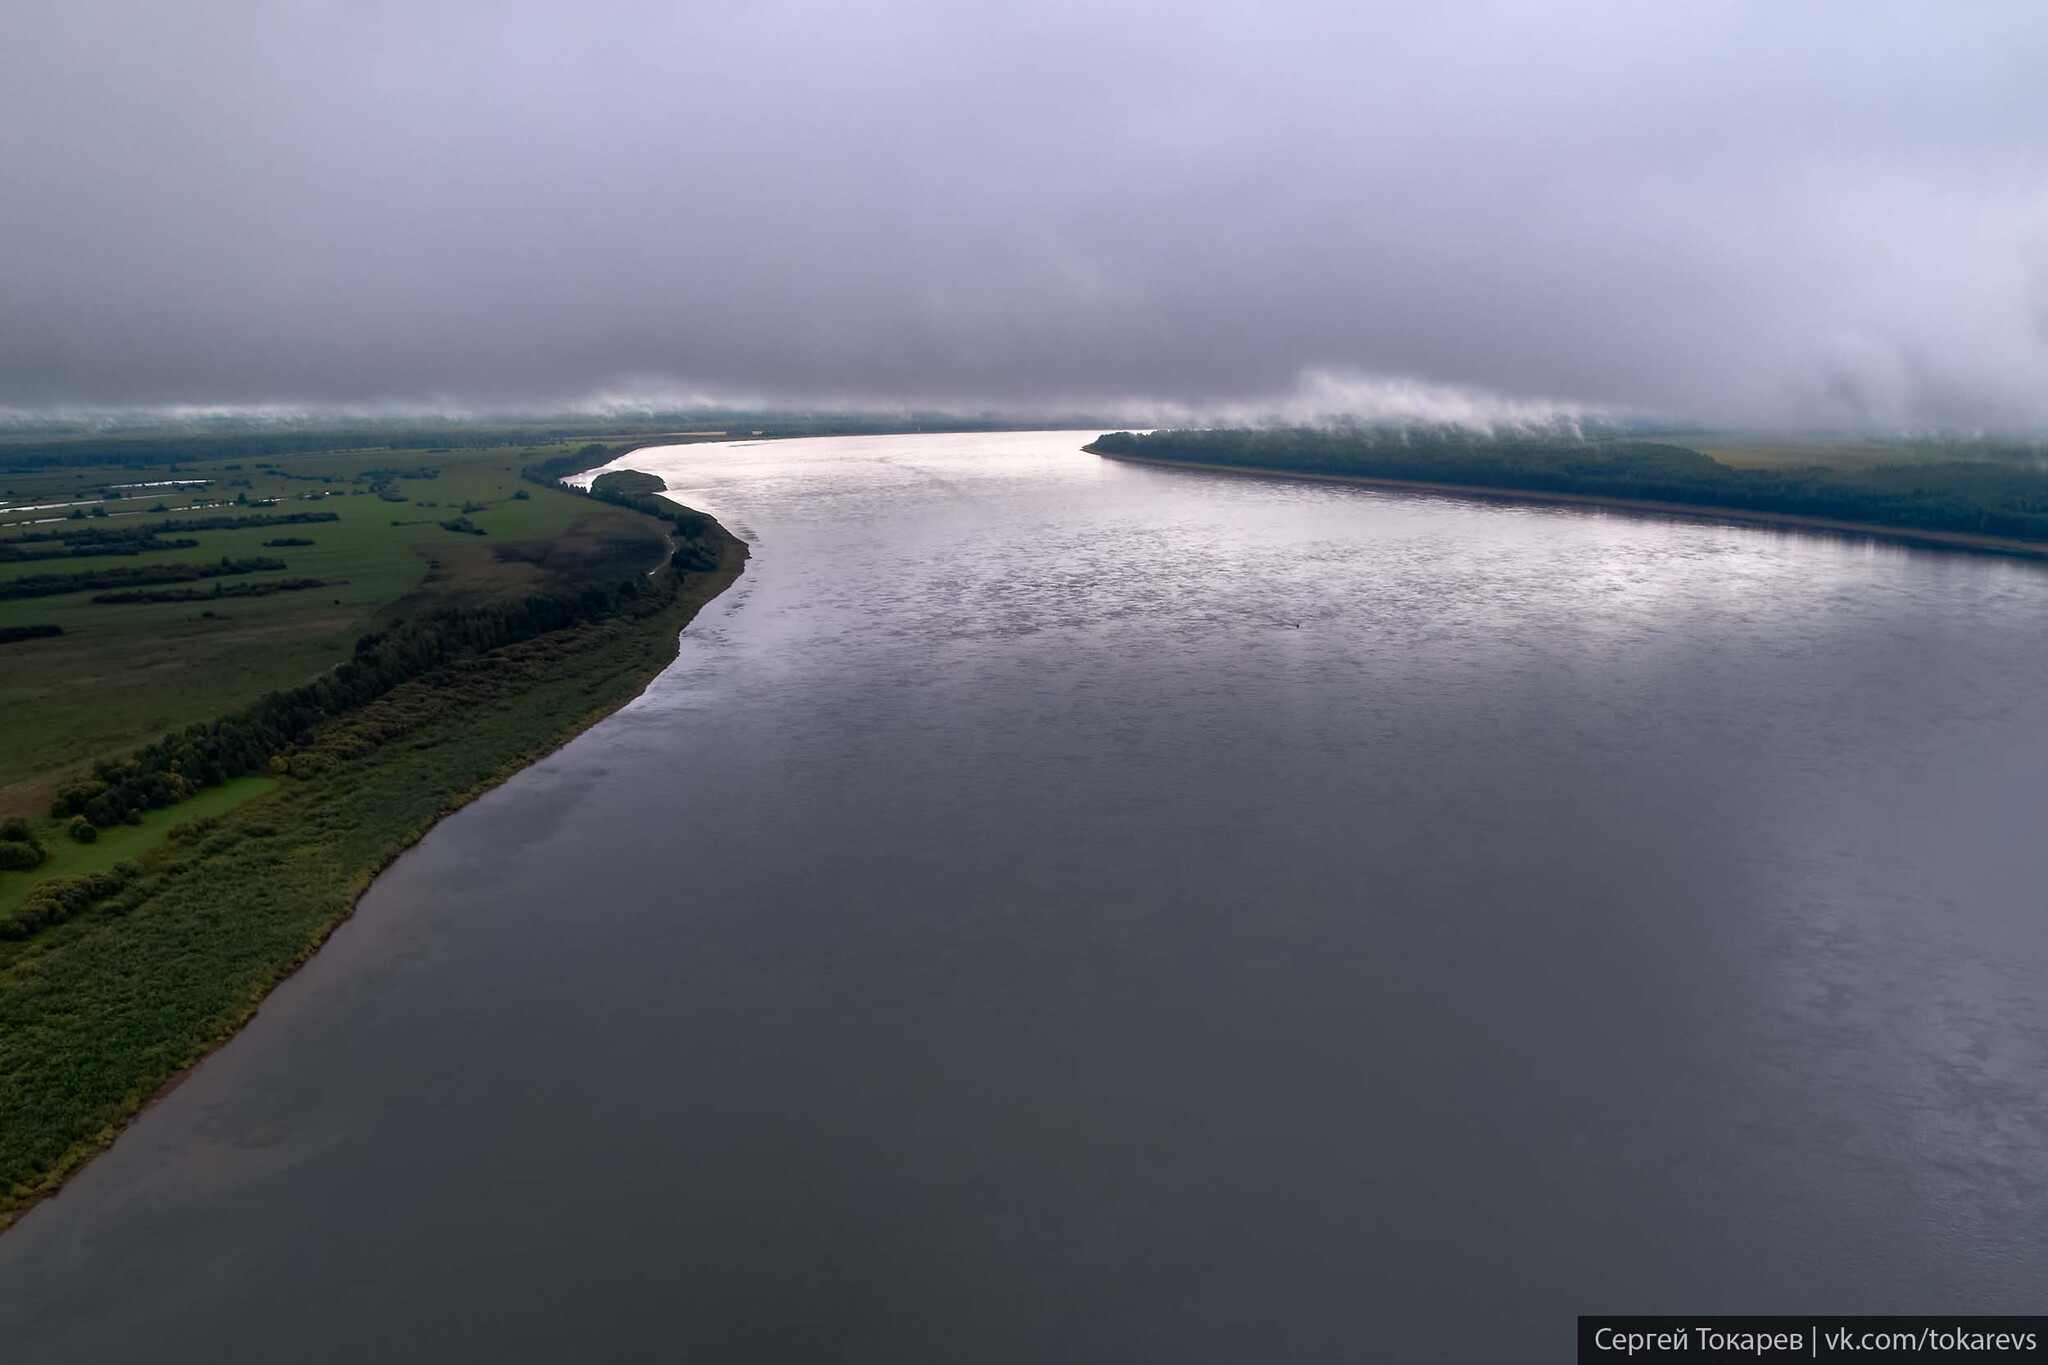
point(1420, 571)
point(1787, 774)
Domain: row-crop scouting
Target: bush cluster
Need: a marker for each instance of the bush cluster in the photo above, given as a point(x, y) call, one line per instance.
point(84, 548)
point(20, 850)
point(138, 576)
point(261, 588)
point(107, 540)
point(10, 634)
point(63, 898)
point(696, 545)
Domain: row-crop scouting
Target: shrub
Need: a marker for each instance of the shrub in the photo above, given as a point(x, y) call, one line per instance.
point(186, 830)
point(20, 857)
point(74, 798)
point(83, 830)
point(60, 898)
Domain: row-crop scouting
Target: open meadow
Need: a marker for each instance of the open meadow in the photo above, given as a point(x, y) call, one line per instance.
point(396, 532)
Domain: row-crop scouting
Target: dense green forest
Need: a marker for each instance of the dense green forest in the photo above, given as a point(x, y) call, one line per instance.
point(2006, 498)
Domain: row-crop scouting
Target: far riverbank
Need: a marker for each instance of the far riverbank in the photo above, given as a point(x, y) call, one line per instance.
point(1931, 540)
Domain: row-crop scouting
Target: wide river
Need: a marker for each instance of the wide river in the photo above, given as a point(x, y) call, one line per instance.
point(1060, 910)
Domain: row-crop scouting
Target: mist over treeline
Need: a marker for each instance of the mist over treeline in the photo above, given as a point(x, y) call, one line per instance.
point(140, 439)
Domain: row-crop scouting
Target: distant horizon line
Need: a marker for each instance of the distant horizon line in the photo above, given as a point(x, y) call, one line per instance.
point(18, 423)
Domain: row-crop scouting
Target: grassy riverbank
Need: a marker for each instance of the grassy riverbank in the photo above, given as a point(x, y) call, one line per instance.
point(386, 534)
point(1996, 503)
point(199, 908)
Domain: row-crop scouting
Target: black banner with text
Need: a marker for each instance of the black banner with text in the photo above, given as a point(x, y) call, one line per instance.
point(1613, 1340)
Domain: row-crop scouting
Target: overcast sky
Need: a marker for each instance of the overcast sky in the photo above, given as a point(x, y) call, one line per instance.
point(1784, 212)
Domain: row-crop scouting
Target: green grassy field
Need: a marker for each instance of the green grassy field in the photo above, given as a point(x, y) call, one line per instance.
point(121, 675)
point(69, 858)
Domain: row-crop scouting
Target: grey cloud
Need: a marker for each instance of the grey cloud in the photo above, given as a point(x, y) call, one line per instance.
point(1823, 213)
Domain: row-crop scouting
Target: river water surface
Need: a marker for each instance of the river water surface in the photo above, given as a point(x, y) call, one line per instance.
point(1058, 910)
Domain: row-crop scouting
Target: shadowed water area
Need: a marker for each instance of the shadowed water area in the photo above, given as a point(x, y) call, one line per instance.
point(1056, 910)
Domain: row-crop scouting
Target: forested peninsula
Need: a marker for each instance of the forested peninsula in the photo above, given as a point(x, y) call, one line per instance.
point(1998, 503)
point(200, 869)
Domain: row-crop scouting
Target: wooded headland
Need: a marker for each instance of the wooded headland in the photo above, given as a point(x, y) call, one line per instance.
point(1998, 501)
